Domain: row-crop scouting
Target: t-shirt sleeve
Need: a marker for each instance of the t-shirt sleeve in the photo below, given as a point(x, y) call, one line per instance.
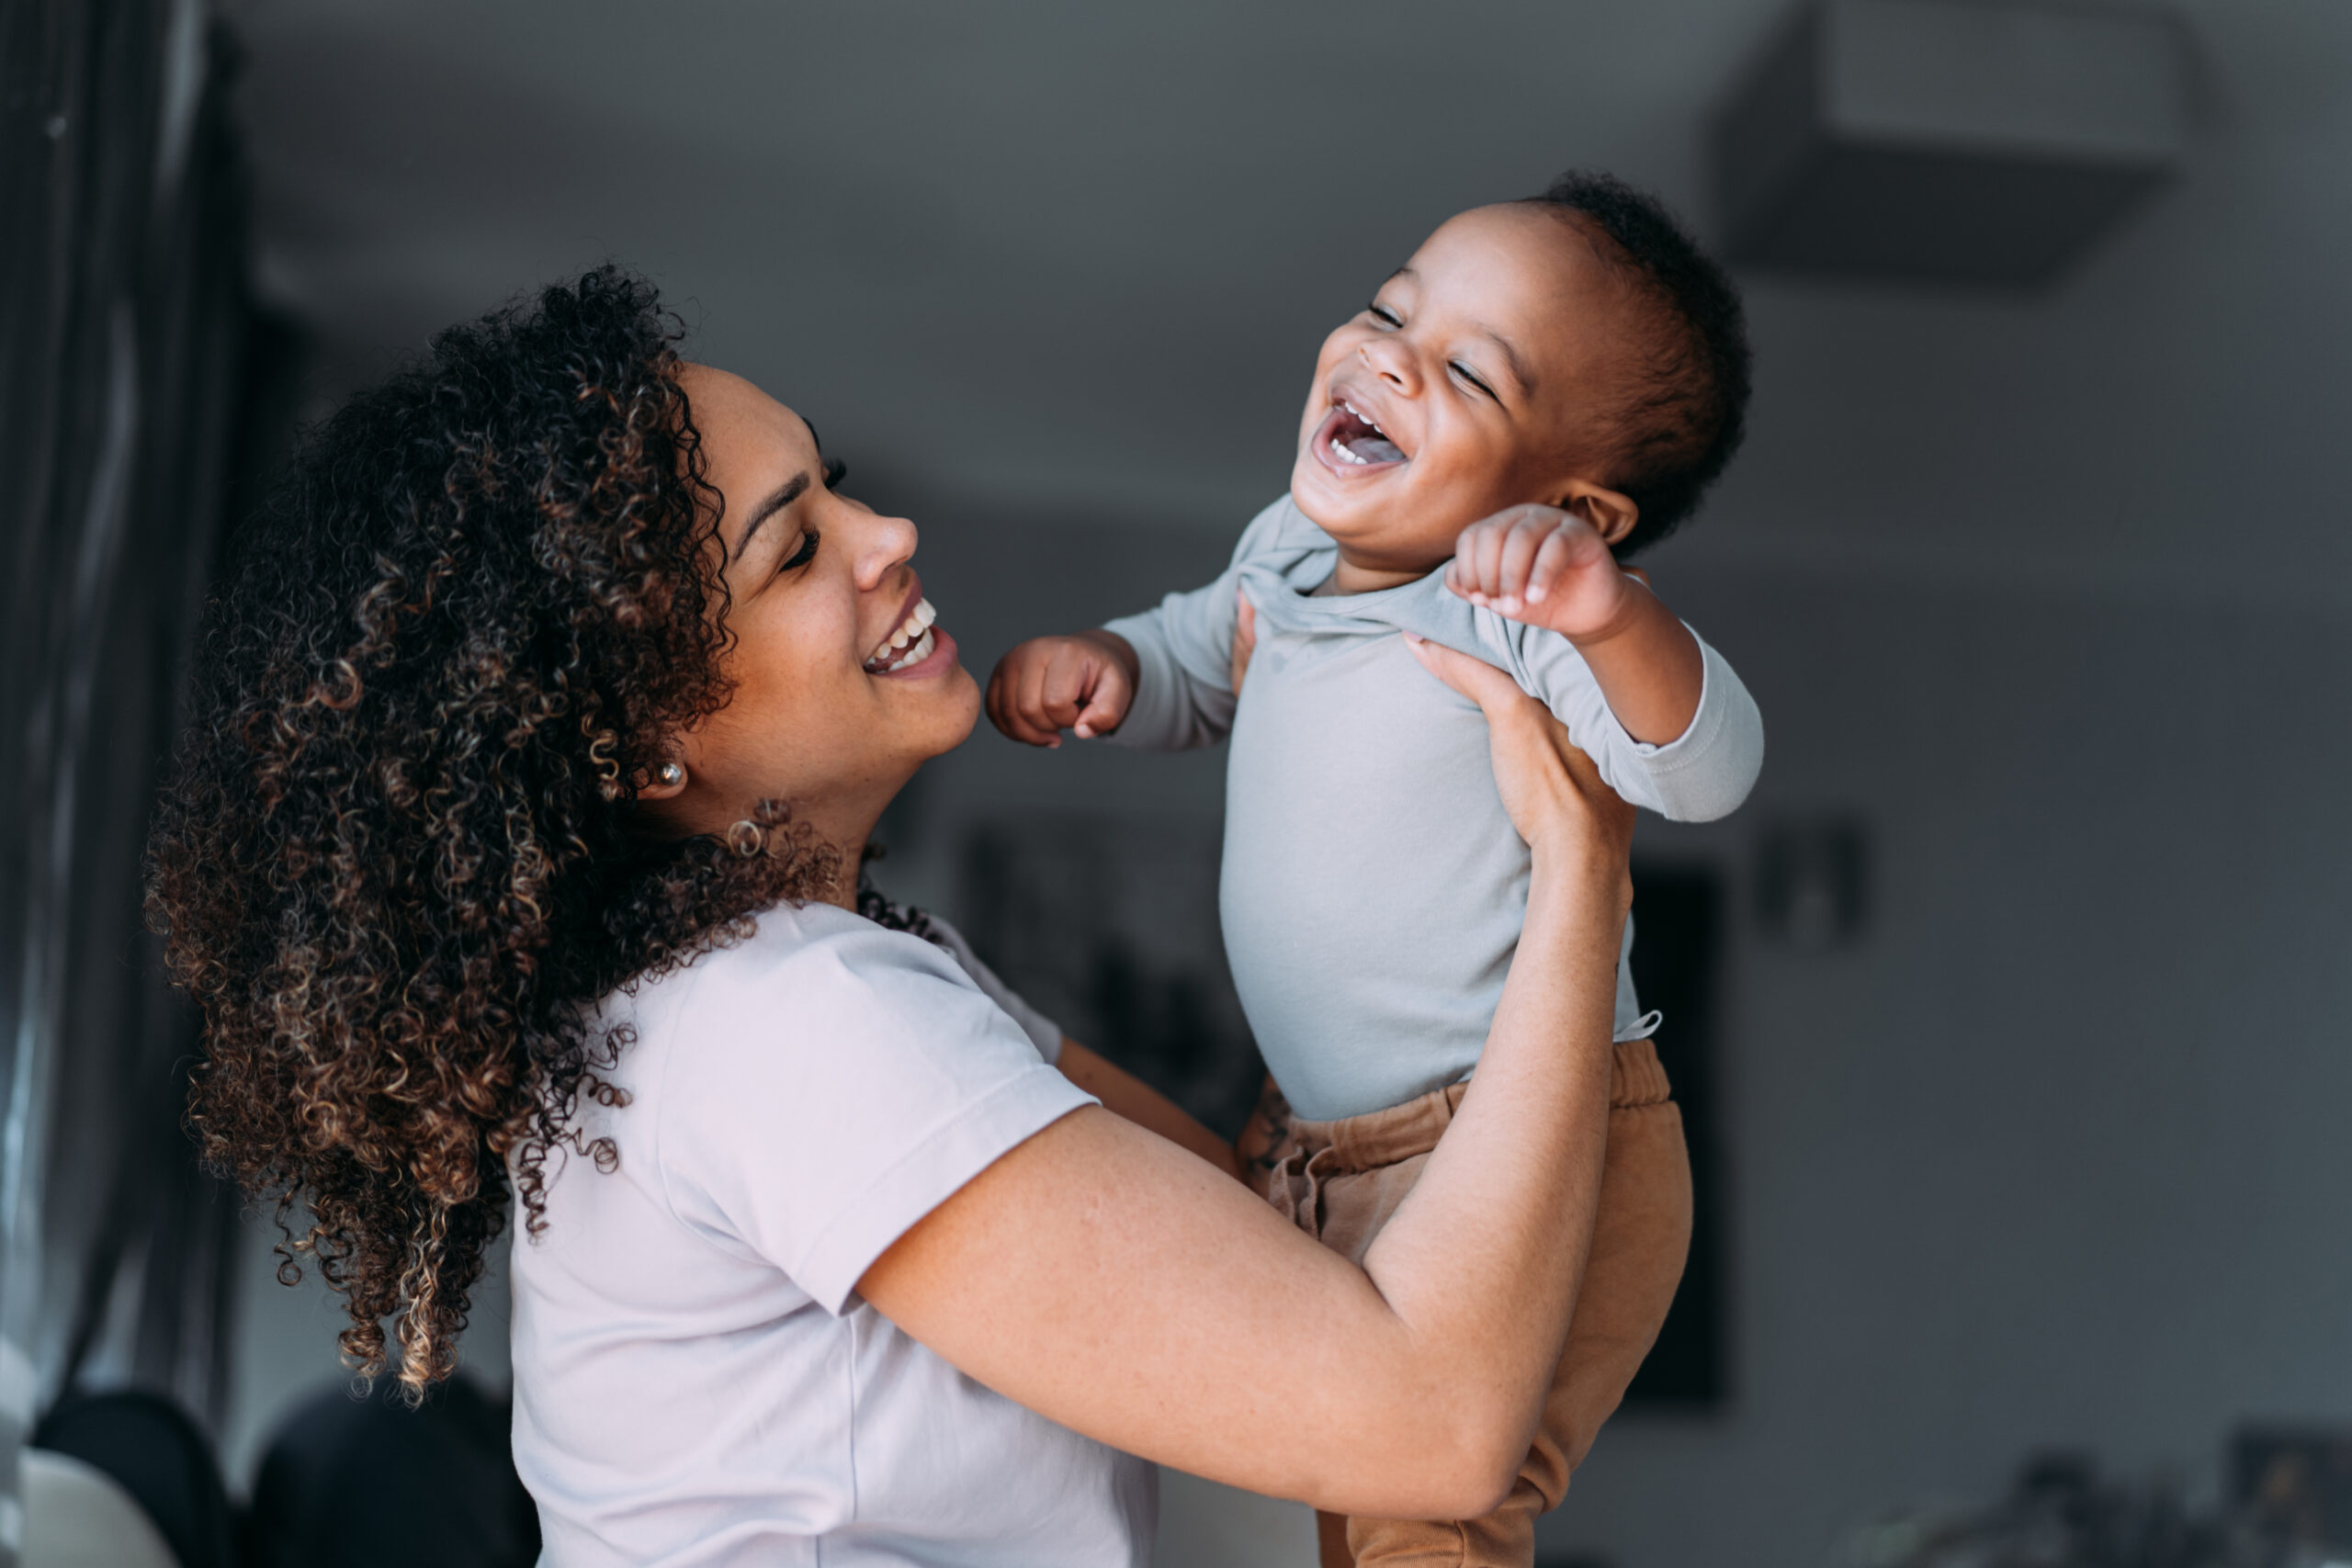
point(1703, 774)
point(1043, 1031)
point(833, 1083)
point(1184, 656)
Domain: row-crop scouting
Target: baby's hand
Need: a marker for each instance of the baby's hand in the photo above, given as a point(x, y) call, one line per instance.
point(1048, 684)
point(1544, 567)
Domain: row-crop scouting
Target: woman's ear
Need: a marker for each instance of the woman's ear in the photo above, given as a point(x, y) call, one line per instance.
point(1611, 512)
point(667, 781)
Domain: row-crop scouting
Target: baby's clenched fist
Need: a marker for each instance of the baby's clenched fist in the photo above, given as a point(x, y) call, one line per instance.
point(1544, 567)
point(1083, 682)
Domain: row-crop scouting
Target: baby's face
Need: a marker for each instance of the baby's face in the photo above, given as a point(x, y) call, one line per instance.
point(1456, 392)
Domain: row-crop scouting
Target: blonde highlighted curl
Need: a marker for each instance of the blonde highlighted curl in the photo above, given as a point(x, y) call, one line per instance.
point(397, 859)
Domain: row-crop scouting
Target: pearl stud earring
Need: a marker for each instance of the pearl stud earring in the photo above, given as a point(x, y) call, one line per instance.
point(672, 774)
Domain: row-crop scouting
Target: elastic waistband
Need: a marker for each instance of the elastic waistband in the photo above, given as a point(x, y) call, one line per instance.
point(1381, 1138)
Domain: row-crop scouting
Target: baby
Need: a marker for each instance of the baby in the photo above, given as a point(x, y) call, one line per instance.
point(1546, 387)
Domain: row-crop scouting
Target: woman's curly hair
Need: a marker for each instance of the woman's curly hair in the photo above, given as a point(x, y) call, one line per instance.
point(398, 861)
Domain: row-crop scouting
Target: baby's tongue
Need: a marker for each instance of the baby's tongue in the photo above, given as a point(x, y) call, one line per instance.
point(1375, 449)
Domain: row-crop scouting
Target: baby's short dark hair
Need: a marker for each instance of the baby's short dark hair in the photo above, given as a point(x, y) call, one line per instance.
point(1678, 421)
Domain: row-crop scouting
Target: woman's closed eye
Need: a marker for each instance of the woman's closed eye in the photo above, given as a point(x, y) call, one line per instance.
point(834, 470)
point(802, 555)
point(1384, 315)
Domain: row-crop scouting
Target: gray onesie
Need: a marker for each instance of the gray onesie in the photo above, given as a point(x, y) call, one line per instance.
point(1373, 888)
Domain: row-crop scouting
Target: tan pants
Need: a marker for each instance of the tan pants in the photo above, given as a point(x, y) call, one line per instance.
point(1339, 1182)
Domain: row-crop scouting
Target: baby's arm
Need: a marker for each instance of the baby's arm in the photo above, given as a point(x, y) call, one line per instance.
point(1162, 680)
point(1666, 718)
point(1549, 568)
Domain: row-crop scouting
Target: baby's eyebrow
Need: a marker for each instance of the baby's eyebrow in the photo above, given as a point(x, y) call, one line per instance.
point(1517, 365)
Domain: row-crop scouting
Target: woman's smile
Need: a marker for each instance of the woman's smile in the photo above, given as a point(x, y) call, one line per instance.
point(913, 650)
point(841, 685)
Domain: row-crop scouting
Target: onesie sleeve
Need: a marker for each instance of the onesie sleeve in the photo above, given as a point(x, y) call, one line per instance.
point(1702, 774)
point(1184, 656)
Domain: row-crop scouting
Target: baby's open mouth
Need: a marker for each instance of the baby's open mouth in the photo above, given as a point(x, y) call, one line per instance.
point(1353, 438)
point(910, 644)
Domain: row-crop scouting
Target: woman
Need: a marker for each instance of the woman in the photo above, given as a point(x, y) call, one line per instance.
point(539, 737)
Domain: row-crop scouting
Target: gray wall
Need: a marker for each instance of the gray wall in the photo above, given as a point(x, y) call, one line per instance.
point(2054, 596)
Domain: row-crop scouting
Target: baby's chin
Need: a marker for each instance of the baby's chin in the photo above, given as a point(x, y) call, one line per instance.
point(1385, 528)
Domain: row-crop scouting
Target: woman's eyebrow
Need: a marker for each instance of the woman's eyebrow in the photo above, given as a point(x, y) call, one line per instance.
point(785, 496)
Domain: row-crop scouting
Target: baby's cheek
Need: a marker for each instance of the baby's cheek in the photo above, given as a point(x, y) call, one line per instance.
point(1469, 481)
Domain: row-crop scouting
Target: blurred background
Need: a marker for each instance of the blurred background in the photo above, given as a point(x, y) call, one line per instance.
point(2011, 1011)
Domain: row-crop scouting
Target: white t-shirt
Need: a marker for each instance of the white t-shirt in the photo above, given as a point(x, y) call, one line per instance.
point(696, 1381)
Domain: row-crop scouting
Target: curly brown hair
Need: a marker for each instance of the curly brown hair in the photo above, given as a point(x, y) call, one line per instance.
point(399, 860)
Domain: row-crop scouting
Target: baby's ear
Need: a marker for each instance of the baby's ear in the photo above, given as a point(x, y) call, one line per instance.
point(1611, 512)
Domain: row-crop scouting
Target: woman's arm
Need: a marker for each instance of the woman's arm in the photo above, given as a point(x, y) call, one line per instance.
point(1106, 1279)
point(1125, 1095)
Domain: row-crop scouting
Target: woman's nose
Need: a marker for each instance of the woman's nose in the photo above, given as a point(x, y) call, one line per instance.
point(889, 543)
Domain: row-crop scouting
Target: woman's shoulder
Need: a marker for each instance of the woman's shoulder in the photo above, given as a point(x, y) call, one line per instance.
point(815, 1086)
point(795, 961)
point(816, 987)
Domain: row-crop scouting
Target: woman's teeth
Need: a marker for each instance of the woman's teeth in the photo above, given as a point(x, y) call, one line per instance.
point(910, 644)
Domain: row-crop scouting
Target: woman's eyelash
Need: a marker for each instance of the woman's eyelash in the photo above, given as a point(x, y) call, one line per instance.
point(1384, 314)
point(835, 472)
point(804, 554)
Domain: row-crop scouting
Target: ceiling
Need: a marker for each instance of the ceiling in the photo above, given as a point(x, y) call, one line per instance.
point(1078, 256)
point(1074, 249)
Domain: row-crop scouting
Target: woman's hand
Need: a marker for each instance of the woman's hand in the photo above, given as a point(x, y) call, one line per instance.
point(1245, 637)
point(1553, 793)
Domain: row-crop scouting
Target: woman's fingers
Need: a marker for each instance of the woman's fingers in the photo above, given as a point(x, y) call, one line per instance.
point(1546, 782)
point(1245, 636)
point(1474, 678)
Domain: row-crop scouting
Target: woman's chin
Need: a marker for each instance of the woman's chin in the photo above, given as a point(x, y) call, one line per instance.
point(951, 707)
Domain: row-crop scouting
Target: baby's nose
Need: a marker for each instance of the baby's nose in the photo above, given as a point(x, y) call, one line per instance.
point(1383, 360)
